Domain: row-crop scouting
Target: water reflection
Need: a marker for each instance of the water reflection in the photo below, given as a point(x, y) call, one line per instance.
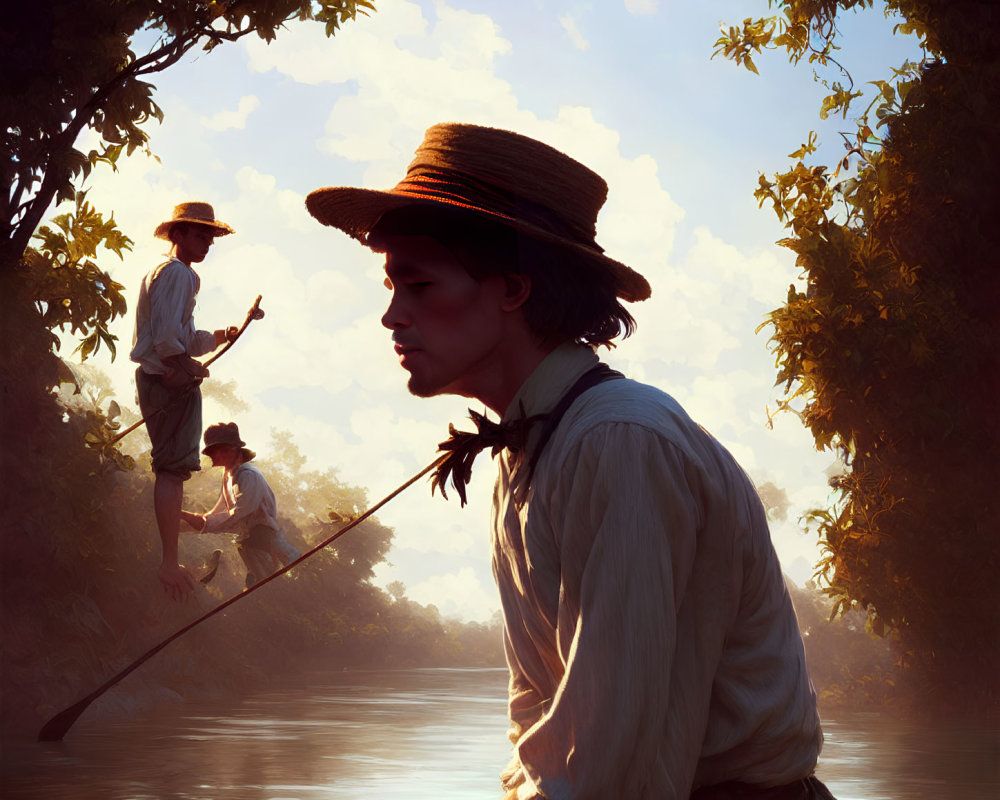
point(400, 734)
point(873, 757)
point(418, 734)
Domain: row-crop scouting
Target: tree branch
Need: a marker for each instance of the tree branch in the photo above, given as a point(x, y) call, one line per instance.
point(35, 208)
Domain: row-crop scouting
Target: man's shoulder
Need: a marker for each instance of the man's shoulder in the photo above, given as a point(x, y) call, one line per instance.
point(246, 468)
point(621, 414)
point(628, 401)
point(248, 472)
point(171, 269)
point(628, 408)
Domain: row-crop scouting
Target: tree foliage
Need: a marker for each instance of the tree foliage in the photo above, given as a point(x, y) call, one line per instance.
point(70, 290)
point(72, 64)
point(890, 352)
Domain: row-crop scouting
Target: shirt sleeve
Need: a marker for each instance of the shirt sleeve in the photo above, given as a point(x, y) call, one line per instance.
point(525, 705)
point(248, 492)
point(220, 506)
point(201, 342)
point(624, 519)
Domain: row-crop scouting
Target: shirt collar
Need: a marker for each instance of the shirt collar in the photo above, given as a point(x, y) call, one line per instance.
point(189, 268)
point(550, 380)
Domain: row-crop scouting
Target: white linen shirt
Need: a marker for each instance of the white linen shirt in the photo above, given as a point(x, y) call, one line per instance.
point(650, 638)
point(164, 317)
point(245, 502)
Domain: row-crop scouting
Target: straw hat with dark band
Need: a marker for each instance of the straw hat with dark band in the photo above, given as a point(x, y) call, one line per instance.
point(499, 175)
point(197, 213)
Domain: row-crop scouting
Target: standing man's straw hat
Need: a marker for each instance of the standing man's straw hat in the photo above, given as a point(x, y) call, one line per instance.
point(495, 174)
point(194, 212)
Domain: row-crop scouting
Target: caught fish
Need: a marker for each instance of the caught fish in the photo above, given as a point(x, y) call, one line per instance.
point(211, 566)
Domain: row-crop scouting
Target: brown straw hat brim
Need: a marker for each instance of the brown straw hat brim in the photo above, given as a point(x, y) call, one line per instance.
point(163, 229)
point(356, 211)
point(197, 212)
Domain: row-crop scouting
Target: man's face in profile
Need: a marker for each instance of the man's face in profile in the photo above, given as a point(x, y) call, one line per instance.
point(446, 325)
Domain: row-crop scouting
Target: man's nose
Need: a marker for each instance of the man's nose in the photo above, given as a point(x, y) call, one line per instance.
point(394, 316)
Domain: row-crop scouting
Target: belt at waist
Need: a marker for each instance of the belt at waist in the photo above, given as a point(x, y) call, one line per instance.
point(810, 788)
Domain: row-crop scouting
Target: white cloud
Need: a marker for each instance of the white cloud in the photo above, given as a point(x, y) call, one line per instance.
point(458, 594)
point(575, 36)
point(226, 120)
point(642, 7)
point(271, 203)
point(762, 279)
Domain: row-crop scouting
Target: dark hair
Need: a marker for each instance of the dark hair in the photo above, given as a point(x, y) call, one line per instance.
point(571, 298)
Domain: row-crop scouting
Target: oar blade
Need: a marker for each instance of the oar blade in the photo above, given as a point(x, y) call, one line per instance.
point(55, 728)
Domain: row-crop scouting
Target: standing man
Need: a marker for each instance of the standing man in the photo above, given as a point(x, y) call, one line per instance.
point(168, 377)
point(652, 646)
point(246, 506)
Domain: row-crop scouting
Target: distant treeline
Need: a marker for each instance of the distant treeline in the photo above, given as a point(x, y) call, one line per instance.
point(81, 599)
point(849, 665)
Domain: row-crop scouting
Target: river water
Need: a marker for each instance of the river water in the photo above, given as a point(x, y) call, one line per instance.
point(434, 734)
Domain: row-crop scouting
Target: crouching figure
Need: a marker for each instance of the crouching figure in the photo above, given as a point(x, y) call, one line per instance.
point(246, 506)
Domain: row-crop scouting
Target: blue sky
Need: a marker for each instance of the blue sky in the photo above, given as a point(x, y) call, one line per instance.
point(629, 89)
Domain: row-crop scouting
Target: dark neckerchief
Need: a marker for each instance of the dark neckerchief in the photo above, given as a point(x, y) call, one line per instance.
point(464, 446)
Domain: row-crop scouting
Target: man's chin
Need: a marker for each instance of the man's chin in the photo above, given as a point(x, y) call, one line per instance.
point(421, 388)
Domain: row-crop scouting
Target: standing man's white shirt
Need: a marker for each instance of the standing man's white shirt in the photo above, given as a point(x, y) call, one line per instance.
point(651, 642)
point(164, 319)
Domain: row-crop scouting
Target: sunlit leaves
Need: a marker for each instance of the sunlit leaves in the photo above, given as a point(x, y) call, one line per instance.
point(800, 197)
point(102, 427)
point(333, 13)
point(739, 43)
point(808, 148)
point(838, 102)
point(71, 291)
point(805, 28)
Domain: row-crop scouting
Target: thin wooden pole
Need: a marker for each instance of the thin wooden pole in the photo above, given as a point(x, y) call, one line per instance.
point(55, 729)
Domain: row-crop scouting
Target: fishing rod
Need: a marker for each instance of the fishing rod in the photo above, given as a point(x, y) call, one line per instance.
point(55, 729)
point(255, 312)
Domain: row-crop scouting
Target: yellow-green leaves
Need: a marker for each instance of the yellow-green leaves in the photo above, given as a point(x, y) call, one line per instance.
point(67, 285)
point(808, 148)
point(738, 43)
point(838, 102)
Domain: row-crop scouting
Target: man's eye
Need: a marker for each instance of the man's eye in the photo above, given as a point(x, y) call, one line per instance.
point(418, 284)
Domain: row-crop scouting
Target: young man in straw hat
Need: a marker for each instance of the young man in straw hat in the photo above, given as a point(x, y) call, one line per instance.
point(652, 646)
point(246, 506)
point(168, 377)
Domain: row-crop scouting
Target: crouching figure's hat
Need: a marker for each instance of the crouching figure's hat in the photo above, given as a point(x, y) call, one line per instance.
point(226, 433)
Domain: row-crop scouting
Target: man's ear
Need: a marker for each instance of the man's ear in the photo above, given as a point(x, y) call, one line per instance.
point(517, 291)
